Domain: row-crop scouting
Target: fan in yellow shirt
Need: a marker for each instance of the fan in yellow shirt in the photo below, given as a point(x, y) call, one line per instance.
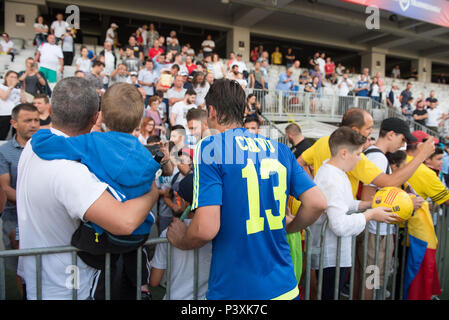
point(365, 171)
point(276, 56)
point(425, 181)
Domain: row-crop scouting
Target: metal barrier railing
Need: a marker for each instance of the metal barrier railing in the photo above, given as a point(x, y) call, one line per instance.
point(396, 277)
point(286, 103)
point(39, 252)
point(394, 280)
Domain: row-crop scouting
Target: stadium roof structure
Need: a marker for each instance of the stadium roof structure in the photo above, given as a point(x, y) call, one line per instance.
point(332, 23)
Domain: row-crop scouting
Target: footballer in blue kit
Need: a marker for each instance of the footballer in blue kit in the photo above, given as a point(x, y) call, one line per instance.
point(241, 185)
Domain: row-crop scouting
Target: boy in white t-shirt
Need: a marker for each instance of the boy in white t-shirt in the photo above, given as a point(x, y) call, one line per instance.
point(435, 116)
point(182, 261)
point(393, 134)
point(346, 146)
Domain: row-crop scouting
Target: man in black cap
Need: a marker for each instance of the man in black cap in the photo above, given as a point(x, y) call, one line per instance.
point(393, 135)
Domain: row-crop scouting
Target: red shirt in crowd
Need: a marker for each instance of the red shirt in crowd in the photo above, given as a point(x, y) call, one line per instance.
point(190, 68)
point(154, 52)
point(329, 68)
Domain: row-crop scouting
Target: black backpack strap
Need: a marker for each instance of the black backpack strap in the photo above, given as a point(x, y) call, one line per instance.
point(377, 150)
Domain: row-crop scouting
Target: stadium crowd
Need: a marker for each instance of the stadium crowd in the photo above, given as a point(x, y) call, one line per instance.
point(165, 106)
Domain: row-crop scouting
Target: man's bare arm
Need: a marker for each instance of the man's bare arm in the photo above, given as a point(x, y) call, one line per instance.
point(305, 166)
point(400, 176)
point(121, 218)
point(6, 186)
point(202, 229)
point(313, 204)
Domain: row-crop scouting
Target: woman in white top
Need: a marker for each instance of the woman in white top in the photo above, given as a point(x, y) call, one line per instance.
point(41, 30)
point(217, 67)
point(375, 89)
point(83, 63)
point(10, 96)
point(201, 87)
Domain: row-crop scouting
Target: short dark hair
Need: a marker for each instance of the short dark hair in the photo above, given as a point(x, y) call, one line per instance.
point(252, 119)
point(354, 117)
point(175, 66)
point(42, 96)
point(437, 152)
point(345, 137)
point(153, 139)
point(228, 99)
point(98, 64)
point(396, 158)
point(23, 106)
point(293, 128)
point(148, 60)
point(190, 92)
point(196, 114)
point(178, 127)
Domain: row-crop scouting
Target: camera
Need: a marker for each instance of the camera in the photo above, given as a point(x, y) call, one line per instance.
point(156, 152)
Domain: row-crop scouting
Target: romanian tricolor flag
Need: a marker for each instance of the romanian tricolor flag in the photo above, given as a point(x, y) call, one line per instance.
point(421, 273)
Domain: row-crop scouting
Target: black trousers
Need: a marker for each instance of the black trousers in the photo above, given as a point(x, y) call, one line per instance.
point(5, 125)
point(123, 276)
point(328, 287)
point(68, 58)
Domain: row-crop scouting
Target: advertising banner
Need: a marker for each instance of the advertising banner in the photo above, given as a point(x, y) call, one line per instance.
point(431, 11)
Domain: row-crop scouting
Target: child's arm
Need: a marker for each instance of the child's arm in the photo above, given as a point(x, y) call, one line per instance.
point(158, 263)
point(156, 276)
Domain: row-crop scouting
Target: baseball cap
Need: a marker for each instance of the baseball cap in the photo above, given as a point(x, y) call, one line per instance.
point(133, 73)
point(183, 73)
point(399, 126)
point(185, 188)
point(114, 25)
point(421, 136)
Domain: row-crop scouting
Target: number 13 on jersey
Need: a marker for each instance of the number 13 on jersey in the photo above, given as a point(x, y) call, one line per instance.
point(255, 223)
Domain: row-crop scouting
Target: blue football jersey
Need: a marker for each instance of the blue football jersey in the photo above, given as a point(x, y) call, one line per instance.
point(250, 177)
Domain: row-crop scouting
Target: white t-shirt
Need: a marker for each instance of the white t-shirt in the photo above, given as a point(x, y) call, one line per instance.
point(381, 161)
point(109, 62)
point(240, 64)
point(321, 62)
point(67, 44)
point(13, 99)
point(201, 93)
point(173, 93)
point(209, 43)
point(345, 87)
point(182, 269)
point(375, 91)
point(84, 65)
point(59, 28)
point(41, 27)
point(50, 55)
point(217, 70)
point(180, 109)
point(148, 76)
point(52, 198)
point(5, 46)
point(110, 34)
point(434, 118)
point(335, 185)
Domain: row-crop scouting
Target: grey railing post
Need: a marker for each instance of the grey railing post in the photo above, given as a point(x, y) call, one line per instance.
point(2, 279)
point(107, 276)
